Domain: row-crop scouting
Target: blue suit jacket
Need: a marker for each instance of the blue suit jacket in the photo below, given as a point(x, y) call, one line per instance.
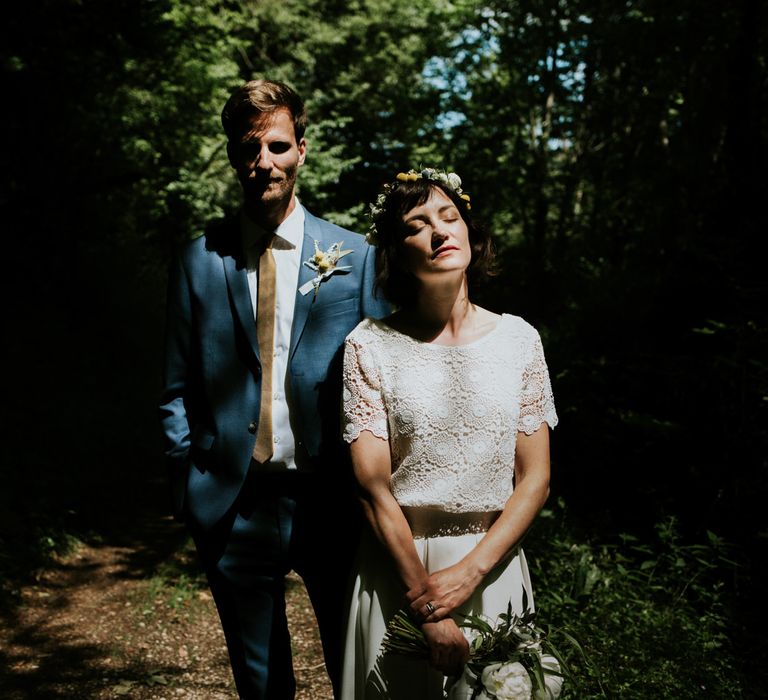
point(212, 381)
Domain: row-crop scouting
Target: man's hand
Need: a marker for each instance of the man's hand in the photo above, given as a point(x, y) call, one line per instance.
point(448, 648)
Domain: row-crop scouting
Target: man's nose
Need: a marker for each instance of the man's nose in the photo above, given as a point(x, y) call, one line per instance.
point(263, 159)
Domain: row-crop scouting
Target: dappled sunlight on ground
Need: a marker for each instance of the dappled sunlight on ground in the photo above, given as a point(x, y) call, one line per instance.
point(133, 620)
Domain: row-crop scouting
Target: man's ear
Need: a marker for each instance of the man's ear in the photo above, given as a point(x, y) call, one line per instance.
point(302, 146)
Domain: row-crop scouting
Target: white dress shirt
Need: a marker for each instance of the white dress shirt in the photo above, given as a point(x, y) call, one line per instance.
point(286, 248)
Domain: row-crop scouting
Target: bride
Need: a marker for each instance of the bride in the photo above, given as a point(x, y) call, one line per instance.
point(444, 405)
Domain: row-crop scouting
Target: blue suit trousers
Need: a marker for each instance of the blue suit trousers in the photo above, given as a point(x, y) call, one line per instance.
point(270, 530)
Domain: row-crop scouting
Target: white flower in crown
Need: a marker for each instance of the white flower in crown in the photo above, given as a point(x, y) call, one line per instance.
point(325, 263)
point(454, 181)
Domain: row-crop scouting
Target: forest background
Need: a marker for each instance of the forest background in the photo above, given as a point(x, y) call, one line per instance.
point(618, 151)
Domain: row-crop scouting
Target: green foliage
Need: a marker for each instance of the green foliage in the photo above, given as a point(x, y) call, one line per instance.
point(30, 546)
point(653, 618)
point(168, 101)
point(52, 543)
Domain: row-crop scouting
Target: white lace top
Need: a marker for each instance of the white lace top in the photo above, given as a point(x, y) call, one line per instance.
point(451, 413)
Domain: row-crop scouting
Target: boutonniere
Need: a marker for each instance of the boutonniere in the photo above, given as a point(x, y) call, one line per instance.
point(324, 263)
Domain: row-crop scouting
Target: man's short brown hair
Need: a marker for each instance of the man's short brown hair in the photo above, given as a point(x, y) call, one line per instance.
point(262, 97)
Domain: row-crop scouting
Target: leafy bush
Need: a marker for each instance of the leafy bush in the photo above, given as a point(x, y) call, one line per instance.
point(652, 618)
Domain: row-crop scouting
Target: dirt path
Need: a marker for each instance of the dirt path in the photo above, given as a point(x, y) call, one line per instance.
point(133, 620)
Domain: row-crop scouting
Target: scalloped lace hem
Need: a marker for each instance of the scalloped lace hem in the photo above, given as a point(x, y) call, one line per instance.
point(550, 419)
point(352, 432)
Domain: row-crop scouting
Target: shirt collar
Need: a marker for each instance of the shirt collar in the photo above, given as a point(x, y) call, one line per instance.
point(289, 233)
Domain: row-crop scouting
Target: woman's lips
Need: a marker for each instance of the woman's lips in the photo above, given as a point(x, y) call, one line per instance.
point(443, 249)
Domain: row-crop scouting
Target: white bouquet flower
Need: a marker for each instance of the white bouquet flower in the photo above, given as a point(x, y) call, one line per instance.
point(513, 660)
point(507, 681)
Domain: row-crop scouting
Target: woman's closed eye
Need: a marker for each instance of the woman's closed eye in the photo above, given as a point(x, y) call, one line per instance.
point(414, 228)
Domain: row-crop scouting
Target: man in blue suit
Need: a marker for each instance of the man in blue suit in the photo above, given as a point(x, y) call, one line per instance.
point(258, 309)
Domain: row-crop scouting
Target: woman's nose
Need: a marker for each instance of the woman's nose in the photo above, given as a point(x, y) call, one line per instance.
point(438, 235)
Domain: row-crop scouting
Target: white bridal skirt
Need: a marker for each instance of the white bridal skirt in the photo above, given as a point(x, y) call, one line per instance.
point(378, 594)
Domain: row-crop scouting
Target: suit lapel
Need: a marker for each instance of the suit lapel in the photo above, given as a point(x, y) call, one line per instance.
point(313, 231)
point(240, 297)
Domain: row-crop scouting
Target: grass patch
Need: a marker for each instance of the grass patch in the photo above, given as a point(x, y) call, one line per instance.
point(176, 585)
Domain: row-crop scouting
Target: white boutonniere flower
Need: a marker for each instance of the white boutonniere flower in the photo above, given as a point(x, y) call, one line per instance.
point(324, 263)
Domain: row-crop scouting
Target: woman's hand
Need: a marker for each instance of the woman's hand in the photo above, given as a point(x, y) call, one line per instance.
point(444, 591)
point(448, 648)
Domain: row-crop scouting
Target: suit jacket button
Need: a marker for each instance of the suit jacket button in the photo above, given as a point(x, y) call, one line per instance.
point(252, 427)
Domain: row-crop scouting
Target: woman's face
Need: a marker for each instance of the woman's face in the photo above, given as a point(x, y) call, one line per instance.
point(436, 238)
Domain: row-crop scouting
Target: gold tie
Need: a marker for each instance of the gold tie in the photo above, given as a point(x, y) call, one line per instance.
point(265, 334)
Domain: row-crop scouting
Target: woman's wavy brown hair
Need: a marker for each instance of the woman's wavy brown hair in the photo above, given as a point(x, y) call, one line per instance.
point(397, 284)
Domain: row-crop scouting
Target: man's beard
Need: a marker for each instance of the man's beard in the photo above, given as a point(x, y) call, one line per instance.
point(271, 190)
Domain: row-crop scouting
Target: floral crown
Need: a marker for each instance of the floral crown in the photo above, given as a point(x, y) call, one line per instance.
point(450, 180)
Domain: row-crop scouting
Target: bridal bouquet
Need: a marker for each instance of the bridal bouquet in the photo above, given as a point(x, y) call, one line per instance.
point(513, 660)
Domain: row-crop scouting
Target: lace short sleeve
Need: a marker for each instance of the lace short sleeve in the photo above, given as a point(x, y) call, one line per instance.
point(537, 405)
point(363, 405)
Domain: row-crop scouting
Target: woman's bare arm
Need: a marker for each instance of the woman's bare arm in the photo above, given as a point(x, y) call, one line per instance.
point(449, 588)
point(372, 464)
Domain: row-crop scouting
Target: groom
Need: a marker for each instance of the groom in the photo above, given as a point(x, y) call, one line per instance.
point(252, 395)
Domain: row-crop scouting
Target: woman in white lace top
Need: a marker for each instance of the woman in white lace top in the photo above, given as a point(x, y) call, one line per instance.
point(444, 405)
